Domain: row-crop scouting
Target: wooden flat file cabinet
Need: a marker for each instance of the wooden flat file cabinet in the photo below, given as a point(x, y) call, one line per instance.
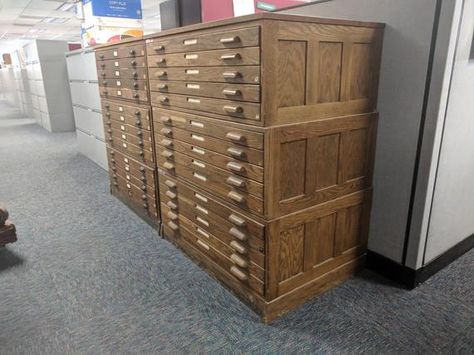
point(263, 131)
point(122, 75)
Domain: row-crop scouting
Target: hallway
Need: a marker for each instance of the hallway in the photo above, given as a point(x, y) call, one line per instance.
point(88, 276)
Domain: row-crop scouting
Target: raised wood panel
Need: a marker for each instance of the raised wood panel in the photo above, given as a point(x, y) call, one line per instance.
point(348, 229)
point(293, 156)
point(325, 161)
point(329, 75)
point(360, 82)
point(291, 251)
point(356, 145)
point(291, 73)
point(325, 234)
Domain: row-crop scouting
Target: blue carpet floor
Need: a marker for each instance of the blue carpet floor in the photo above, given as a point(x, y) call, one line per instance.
point(87, 276)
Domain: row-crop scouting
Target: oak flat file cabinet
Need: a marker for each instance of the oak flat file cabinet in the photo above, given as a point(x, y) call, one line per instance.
point(122, 74)
point(264, 133)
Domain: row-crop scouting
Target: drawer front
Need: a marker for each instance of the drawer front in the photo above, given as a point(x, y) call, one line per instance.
point(172, 189)
point(209, 174)
point(129, 63)
point(238, 92)
point(135, 121)
point(125, 128)
point(135, 180)
point(247, 170)
point(130, 51)
point(139, 153)
point(136, 195)
point(229, 149)
point(136, 95)
point(232, 38)
point(237, 56)
point(123, 165)
point(238, 109)
point(138, 140)
point(211, 127)
point(122, 73)
point(124, 83)
point(232, 74)
point(141, 112)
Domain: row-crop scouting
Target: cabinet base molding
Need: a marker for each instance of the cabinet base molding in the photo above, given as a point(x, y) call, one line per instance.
point(155, 223)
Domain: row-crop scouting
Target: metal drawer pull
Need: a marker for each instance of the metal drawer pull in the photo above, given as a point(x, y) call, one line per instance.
point(193, 86)
point(235, 152)
point(231, 92)
point(201, 209)
point(199, 164)
point(235, 167)
point(230, 39)
point(201, 243)
point(132, 51)
point(230, 56)
point(162, 87)
point(171, 195)
point(129, 186)
point(239, 261)
point(166, 131)
point(161, 74)
point(238, 221)
point(231, 75)
point(167, 143)
point(196, 124)
point(170, 183)
point(161, 61)
point(191, 56)
point(198, 151)
point(122, 127)
point(168, 166)
point(173, 225)
point(172, 205)
point(233, 109)
point(238, 234)
point(165, 119)
point(200, 177)
point(135, 85)
point(200, 197)
point(234, 136)
point(203, 233)
point(163, 99)
point(236, 197)
point(234, 270)
point(197, 138)
point(127, 168)
point(172, 216)
point(166, 154)
point(238, 247)
point(189, 42)
point(193, 101)
point(159, 48)
point(235, 182)
point(202, 220)
point(191, 71)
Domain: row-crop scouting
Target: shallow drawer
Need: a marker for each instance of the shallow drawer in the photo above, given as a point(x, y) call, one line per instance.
point(142, 155)
point(147, 186)
point(141, 112)
point(135, 121)
point(205, 172)
point(121, 51)
point(141, 141)
point(230, 149)
point(244, 110)
point(137, 194)
point(237, 56)
point(138, 96)
point(232, 38)
point(125, 165)
point(222, 130)
point(125, 83)
point(238, 92)
point(129, 63)
point(125, 128)
point(121, 73)
point(235, 74)
point(247, 170)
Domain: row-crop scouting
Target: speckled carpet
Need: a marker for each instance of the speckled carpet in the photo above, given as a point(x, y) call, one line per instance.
point(88, 276)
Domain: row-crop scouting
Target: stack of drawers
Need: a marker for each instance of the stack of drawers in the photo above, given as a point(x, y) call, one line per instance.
point(264, 131)
point(122, 72)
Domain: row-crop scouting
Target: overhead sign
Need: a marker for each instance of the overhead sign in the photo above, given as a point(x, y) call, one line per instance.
point(131, 9)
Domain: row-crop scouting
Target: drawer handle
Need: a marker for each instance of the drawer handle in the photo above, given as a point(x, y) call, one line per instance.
point(170, 184)
point(132, 51)
point(167, 142)
point(166, 131)
point(103, 74)
point(231, 75)
point(238, 221)
point(233, 109)
point(197, 138)
point(198, 150)
point(199, 164)
point(202, 221)
point(201, 209)
point(191, 56)
point(159, 48)
point(172, 216)
point(230, 56)
point(238, 247)
point(136, 96)
point(190, 42)
point(171, 194)
point(165, 119)
point(193, 86)
point(203, 233)
point(239, 261)
point(238, 153)
point(234, 136)
point(135, 85)
point(196, 124)
point(191, 71)
point(236, 196)
point(200, 177)
point(166, 154)
point(133, 62)
point(135, 75)
point(200, 197)
point(235, 167)
point(163, 99)
point(161, 74)
point(226, 40)
point(173, 225)
point(101, 56)
point(202, 244)
point(235, 182)
point(168, 166)
point(172, 205)
point(162, 86)
point(104, 82)
point(193, 101)
point(161, 61)
point(234, 270)
point(231, 92)
point(238, 234)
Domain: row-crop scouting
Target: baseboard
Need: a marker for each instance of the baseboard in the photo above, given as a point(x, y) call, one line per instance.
point(409, 277)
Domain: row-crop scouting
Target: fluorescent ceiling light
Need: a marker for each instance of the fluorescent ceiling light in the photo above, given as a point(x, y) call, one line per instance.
point(67, 7)
point(54, 19)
